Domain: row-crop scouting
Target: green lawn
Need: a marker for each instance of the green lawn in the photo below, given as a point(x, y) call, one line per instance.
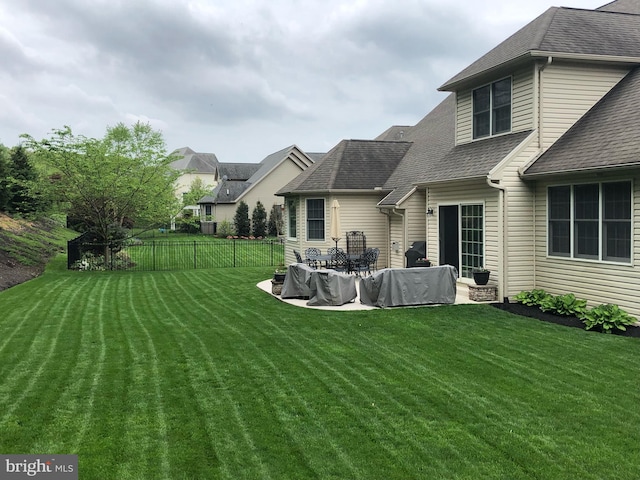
point(200, 375)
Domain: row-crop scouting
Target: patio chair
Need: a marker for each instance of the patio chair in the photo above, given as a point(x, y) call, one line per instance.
point(340, 262)
point(365, 262)
point(332, 250)
point(298, 256)
point(311, 254)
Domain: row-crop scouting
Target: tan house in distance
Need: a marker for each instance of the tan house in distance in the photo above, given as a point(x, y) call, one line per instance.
point(251, 182)
point(530, 167)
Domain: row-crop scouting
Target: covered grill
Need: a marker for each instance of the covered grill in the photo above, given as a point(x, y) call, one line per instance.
point(416, 250)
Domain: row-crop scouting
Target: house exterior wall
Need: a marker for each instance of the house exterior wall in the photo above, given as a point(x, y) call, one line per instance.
point(183, 184)
point(522, 102)
point(459, 193)
point(352, 217)
point(406, 225)
point(568, 91)
point(597, 282)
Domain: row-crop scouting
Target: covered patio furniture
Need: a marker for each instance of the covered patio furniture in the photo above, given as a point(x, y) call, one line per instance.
point(296, 281)
point(327, 287)
point(391, 287)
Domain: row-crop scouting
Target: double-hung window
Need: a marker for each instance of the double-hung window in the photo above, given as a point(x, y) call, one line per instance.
point(315, 219)
point(591, 221)
point(492, 109)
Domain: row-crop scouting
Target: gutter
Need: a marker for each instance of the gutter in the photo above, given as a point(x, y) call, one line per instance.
point(394, 211)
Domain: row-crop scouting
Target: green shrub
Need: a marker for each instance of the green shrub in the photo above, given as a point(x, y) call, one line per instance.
point(566, 304)
point(225, 228)
point(533, 298)
point(607, 316)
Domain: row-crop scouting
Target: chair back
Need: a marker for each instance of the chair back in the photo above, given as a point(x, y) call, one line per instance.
point(340, 261)
point(356, 243)
point(298, 256)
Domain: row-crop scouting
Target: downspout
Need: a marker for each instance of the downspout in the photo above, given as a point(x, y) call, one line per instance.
point(394, 211)
point(541, 102)
point(503, 249)
point(388, 213)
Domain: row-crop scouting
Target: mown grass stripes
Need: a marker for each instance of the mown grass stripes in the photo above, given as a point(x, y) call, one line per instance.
point(199, 374)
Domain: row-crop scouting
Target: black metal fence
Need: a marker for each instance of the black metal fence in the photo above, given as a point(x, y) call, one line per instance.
point(176, 255)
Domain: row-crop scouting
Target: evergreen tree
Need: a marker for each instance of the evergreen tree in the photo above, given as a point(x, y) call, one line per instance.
point(275, 223)
point(22, 188)
point(259, 220)
point(241, 220)
point(4, 178)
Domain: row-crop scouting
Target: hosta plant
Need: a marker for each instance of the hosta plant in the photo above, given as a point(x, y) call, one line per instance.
point(533, 298)
point(566, 304)
point(608, 316)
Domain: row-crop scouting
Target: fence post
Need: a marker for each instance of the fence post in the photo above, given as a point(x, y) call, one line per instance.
point(234, 252)
point(153, 253)
point(195, 260)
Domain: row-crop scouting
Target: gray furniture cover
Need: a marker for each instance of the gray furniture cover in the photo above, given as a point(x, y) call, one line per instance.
point(296, 282)
point(391, 287)
point(327, 287)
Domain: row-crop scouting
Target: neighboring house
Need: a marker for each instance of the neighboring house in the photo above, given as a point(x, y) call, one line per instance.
point(194, 165)
point(530, 167)
point(251, 182)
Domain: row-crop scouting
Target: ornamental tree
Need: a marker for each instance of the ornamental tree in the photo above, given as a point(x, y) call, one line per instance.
point(120, 180)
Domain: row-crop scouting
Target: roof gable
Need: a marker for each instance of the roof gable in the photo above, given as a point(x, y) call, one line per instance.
point(605, 137)
point(562, 31)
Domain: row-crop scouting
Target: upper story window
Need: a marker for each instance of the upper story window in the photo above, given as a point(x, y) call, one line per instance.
point(492, 109)
point(315, 219)
point(591, 221)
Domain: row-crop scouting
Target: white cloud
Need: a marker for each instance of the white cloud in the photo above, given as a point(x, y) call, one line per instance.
point(240, 78)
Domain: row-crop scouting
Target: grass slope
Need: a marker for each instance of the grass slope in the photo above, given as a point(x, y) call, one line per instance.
point(25, 247)
point(200, 375)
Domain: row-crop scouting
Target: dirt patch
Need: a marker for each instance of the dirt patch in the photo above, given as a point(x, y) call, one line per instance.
point(13, 273)
point(14, 244)
point(535, 312)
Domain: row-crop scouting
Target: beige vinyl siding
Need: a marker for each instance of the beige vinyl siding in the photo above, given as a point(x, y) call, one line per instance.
point(406, 226)
point(519, 230)
point(357, 212)
point(475, 192)
point(398, 240)
point(522, 106)
point(597, 282)
point(568, 91)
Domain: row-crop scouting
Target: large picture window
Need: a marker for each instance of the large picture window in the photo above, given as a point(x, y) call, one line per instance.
point(315, 219)
point(591, 221)
point(492, 109)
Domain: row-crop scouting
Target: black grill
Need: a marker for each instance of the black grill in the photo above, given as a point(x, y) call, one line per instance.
point(416, 250)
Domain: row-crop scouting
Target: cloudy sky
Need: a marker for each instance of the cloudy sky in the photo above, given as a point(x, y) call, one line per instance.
point(241, 78)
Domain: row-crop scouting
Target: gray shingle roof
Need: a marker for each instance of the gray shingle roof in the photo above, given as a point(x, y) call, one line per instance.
point(432, 137)
point(350, 165)
point(226, 192)
point(605, 137)
point(567, 31)
point(194, 162)
point(622, 6)
point(238, 171)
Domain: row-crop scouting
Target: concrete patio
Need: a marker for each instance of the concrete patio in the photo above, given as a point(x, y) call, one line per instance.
point(462, 297)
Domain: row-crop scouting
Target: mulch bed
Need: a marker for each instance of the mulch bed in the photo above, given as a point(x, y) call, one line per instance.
point(535, 312)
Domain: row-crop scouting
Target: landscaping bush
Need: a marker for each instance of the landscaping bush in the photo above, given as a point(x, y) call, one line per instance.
point(567, 305)
point(607, 317)
point(533, 298)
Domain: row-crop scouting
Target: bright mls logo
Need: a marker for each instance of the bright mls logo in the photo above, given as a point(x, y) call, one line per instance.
point(50, 467)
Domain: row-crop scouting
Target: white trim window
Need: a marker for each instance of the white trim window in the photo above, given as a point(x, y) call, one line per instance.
point(315, 219)
point(471, 238)
point(292, 219)
point(590, 221)
point(492, 109)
